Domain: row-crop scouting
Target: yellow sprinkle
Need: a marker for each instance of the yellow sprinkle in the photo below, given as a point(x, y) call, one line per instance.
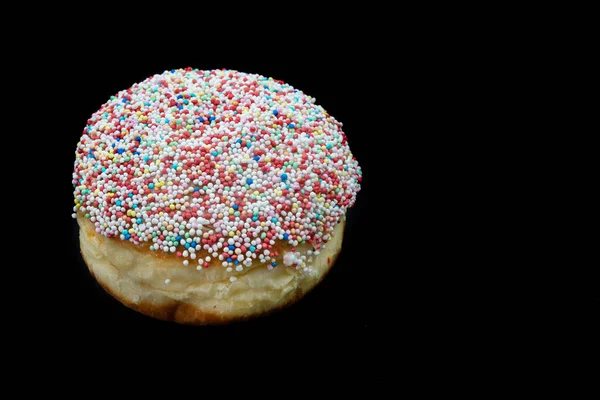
point(133, 214)
point(164, 198)
point(263, 223)
point(138, 113)
point(131, 230)
point(231, 233)
point(231, 211)
point(172, 206)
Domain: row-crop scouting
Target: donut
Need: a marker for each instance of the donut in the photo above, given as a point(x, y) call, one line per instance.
point(208, 196)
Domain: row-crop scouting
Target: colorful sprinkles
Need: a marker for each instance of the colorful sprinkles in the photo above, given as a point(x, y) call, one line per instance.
point(215, 165)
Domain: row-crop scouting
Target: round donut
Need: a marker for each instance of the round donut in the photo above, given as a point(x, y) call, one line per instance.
point(204, 197)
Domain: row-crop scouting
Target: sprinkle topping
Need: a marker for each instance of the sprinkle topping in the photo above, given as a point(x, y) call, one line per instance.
point(217, 162)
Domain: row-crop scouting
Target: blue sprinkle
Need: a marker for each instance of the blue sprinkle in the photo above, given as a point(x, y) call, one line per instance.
point(193, 244)
point(214, 153)
point(135, 153)
point(239, 141)
point(231, 247)
point(113, 145)
point(151, 185)
point(235, 207)
point(167, 120)
point(186, 102)
point(318, 215)
point(229, 259)
point(275, 112)
point(236, 262)
point(134, 206)
point(249, 181)
point(146, 104)
point(255, 218)
point(291, 126)
point(146, 158)
point(273, 219)
point(212, 118)
point(201, 119)
point(285, 236)
point(124, 100)
point(248, 145)
point(172, 71)
point(196, 189)
point(118, 139)
point(118, 203)
point(130, 194)
point(138, 138)
point(174, 166)
point(180, 96)
point(252, 249)
point(284, 177)
point(178, 238)
point(256, 158)
point(180, 107)
point(187, 245)
point(274, 263)
point(139, 221)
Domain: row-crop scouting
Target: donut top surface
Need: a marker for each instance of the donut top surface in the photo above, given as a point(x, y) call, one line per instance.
point(219, 160)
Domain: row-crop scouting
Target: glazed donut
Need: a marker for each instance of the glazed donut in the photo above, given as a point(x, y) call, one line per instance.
point(204, 197)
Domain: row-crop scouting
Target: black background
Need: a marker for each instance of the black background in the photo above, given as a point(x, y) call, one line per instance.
point(355, 304)
point(412, 279)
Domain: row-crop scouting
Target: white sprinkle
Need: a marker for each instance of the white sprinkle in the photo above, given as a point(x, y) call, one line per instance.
point(167, 281)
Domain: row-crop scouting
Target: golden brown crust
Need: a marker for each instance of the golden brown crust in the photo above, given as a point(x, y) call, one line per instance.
point(185, 313)
point(138, 280)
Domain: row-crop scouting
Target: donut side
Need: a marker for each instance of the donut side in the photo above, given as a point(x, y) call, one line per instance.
point(165, 289)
